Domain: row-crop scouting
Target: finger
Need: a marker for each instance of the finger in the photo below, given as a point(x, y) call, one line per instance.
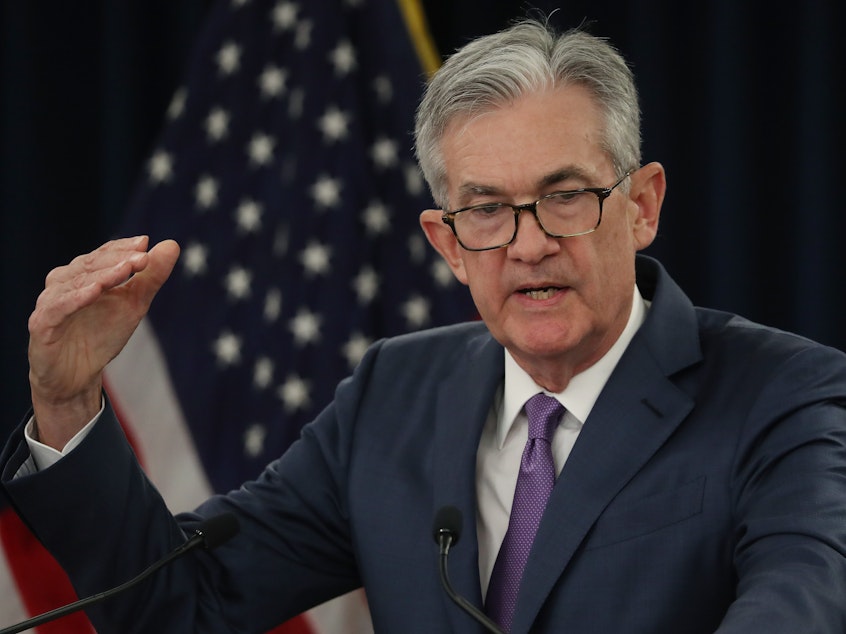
point(104, 257)
point(83, 289)
point(60, 300)
point(102, 279)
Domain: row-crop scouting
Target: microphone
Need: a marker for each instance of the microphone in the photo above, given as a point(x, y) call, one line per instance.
point(210, 534)
point(446, 530)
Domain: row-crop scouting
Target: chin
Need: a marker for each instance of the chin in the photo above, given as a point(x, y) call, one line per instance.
point(540, 343)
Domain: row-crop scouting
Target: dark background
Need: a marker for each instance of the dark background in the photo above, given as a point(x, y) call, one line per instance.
point(742, 103)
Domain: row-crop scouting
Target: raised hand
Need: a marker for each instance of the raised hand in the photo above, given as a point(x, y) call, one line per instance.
point(82, 319)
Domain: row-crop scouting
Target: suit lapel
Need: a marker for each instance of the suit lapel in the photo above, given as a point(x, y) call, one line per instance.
point(464, 400)
point(639, 408)
point(628, 424)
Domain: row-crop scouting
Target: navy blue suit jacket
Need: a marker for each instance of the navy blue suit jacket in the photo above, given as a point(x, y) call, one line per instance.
point(706, 492)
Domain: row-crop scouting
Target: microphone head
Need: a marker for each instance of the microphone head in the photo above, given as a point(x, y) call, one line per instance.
point(218, 529)
point(448, 521)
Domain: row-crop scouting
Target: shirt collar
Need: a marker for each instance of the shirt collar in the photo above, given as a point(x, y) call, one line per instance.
point(583, 389)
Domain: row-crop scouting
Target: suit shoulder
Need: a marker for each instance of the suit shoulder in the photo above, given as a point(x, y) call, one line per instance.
point(741, 337)
point(440, 338)
point(424, 351)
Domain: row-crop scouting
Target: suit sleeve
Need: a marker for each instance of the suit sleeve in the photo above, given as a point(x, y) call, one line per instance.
point(790, 502)
point(103, 520)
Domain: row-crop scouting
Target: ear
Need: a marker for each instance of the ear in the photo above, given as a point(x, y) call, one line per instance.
point(440, 236)
point(649, 184)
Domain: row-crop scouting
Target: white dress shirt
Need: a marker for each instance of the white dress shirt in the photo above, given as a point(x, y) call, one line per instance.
point(507, 430)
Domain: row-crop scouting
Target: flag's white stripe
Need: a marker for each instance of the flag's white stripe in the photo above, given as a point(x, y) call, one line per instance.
point(345, 615)
point(11, 607)
point(139, 383)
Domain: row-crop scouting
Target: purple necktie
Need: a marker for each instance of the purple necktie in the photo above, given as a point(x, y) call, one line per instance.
point(534, 484)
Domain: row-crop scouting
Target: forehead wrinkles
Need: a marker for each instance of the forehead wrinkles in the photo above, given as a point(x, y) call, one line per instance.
point(521, 147)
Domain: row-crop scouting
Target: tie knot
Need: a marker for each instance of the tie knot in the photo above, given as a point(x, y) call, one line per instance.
point(544, 412)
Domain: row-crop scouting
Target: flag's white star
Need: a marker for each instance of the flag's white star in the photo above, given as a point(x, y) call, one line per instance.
point(237, 283)
point(334, 124)
point(217, 124)
point(160, 167)
point(229, 58)
point(416, 248)
point(195, 259)
point(305, 326)
point(294, 393)
point(248, 216)
point(416, 311)
point(260, 149)
point(366, 285)
point(414, 183)
point(315, 259)
point(205, 193)
point(355, 347)
point(273, 81)
point(284, 16)
point(442, 273)
point(272, 305)
point(384, 152)
point(227, 348)
point(326, 192)
point(177, 104)
point(254, 437)
point(302, 38)
point(384, 89)
point(263, 373)
point(376, 218)
point(343, 58)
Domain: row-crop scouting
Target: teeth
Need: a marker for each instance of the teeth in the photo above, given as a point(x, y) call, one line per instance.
point(544, 293)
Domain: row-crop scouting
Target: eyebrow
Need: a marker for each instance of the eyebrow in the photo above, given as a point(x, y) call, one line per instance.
point(469, 190)
point(564, 174)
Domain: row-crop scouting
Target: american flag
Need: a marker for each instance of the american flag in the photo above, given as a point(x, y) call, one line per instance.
point(286, 172)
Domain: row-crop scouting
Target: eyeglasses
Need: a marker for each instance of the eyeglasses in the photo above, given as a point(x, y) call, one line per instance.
point(564, 214)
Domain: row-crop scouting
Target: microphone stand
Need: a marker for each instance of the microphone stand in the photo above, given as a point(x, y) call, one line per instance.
point(445, 540)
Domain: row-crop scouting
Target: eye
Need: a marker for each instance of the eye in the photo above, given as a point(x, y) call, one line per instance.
point(487, 210)
point(564, 198)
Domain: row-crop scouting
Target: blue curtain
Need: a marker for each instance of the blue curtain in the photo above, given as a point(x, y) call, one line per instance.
point(741, 103)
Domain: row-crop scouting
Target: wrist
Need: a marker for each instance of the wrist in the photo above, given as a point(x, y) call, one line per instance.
point(58, 421)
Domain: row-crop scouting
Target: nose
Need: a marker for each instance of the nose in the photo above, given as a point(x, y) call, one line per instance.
point(531, 244)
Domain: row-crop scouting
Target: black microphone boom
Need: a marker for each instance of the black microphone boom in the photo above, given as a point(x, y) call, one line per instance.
point(446, 531)
point(209, 534)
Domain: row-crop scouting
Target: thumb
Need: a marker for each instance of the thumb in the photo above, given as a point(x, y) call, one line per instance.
point(160, 262)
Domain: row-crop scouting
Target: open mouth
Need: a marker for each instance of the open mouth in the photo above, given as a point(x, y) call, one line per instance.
point(540, 293)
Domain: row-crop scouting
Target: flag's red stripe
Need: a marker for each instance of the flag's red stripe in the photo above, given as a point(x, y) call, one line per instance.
point(297, 625)
point(42, 584)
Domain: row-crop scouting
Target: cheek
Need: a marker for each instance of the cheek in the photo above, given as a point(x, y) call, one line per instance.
point(483, 278)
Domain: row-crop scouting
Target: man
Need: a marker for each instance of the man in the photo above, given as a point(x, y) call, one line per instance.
point(699, 462)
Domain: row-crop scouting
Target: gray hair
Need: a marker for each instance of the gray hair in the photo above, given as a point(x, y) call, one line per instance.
point(530, 56)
